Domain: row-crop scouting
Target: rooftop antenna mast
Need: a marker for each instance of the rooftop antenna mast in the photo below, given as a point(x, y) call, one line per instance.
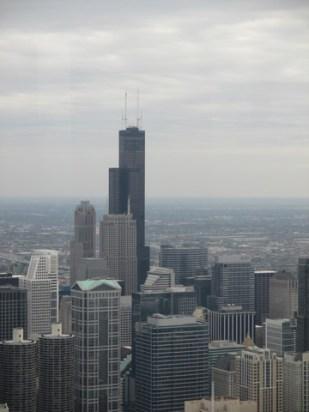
point(138, 113)
point(125, 119)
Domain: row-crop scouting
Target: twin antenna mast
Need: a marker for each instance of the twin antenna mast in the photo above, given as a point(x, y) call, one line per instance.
point(139, 115)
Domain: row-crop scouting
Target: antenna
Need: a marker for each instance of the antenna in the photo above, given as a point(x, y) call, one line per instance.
point(138, 117)
point(125, 108)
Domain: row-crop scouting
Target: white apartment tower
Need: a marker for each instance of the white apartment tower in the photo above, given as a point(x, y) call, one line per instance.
point(260, 376)
point(118, 248)
point(41, 283)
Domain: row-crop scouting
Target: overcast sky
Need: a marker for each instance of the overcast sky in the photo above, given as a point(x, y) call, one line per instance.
point(224, 88)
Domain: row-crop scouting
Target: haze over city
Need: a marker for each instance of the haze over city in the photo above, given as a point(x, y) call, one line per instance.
point(223, 91)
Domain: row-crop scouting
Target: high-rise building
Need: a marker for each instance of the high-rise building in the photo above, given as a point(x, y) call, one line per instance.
point(13, 307)
point(303, 306)
point(18, 373)
point(280, 335)
point(224, 378)
point(178, 300)
point(296, 382)
point(231, 323)
point(118, 238)
point(85, 228)
point(186, 261)
point(42, 287)
point(171, 363)
point(127, 189)
point(96, 326)
point(126, 320)
point(260, 376)
point(283, 296)
point(233, 283)
point(262, 286)
point(218, 350)
point(65, 314)
point(55, 371)
point(159, 278)
point(220, 405)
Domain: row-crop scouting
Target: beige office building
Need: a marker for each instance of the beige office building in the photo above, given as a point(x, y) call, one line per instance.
point(260, 377)
point(118, 248)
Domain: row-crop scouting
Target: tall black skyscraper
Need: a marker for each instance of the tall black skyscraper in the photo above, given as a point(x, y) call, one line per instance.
point(303, 305)
point(127, 189)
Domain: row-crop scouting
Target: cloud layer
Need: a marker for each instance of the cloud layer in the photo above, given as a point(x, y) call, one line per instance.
point(224, 92)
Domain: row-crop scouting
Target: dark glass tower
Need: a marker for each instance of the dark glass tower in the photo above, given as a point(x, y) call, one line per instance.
point(127, 189)
point(18, 372)
point(55, 372)
point(303, 305)
point(13, 307)
point(171, 363)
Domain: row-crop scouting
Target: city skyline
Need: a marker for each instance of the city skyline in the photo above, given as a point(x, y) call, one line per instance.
point(224, 92)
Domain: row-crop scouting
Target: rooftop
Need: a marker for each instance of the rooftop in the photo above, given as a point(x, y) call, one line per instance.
point(91, 284)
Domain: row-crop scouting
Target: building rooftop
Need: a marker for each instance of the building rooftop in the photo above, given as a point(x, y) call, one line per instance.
point(232, 259)
point(172, 320)
point(220, 344)
point(91, 284)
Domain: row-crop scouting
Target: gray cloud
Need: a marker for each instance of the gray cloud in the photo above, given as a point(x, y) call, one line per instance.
point(224, 89)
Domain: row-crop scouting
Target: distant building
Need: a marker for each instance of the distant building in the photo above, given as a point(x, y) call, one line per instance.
point(262, 286)
point(96, 326)
point(159, 278)
point(13, 307)
point(303, 305)
point(224, 378)
point(231, 323)
point(220, 405)
point(55, 371)
point(119, 249)
point(18, 373)
point(127, 190)
point(220, 349)
point(233, 283)
point(171, 363)
point(280, 335)
point(283, 296)
point(186, 261)
point(85, 228)
point(178, 300)
point(42, 287)
point(126, 320)
point(296, 382)
point(260, 376)
point(84, 243)
point(66, 314)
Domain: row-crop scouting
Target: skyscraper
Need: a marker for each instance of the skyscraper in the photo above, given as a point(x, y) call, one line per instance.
point(13, 307)
point(282, 296)
point(96, 326)
point(185, 260)
point(127, 189)
point(171, 363)
point(260, 375)
point(262, 286)
point(233, 283)
point(296, 382)
point(55, 372)
point(85, 228)
point(41, 283)
point(18, 372)
point(231, 323)
point(303, 305)
point(280, 335)
point(118, 237)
